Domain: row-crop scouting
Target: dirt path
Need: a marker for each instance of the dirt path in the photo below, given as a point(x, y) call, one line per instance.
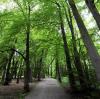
point(48, 89)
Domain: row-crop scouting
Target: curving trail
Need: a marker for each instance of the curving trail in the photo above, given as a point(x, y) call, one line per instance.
point(48, 89)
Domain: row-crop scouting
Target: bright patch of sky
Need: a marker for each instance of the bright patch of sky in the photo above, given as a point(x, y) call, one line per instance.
point(10, 4)
point(87, 16)
point(99, 32)
point(36, 8)
point(7, 5)
point(81, 4)
point(88, 19)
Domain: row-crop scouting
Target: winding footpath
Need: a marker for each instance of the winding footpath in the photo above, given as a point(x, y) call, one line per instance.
point(48, 89)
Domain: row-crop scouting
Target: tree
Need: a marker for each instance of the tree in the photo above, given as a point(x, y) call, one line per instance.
point(66, 49)
point(91, 5)
point(27, 71)
point(77, 60)
point(92, 51)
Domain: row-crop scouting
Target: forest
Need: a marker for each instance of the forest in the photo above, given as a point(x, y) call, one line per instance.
point(58, 39)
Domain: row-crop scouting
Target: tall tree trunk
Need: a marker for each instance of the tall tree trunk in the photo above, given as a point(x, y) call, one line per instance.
point(8, 75)
point(86, 69)
point(12, 68)
point(40, 66)
point(4, 72)
point(15, 69)
point(51, 70)
point(91, 5)
point(27, 73)
point(67, 54)
point(77, 61)
point(50, 67)
point(18, 74)
point(48, 71)
point(94, 56)
point(58, 75)
point(58, 72)
point(26, 82)
point(39, 69)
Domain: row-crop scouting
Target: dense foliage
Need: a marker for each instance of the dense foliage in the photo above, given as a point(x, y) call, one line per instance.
point(40, 38)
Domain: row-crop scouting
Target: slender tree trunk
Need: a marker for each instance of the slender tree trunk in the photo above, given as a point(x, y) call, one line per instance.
point(91, 5)
point(86, 69)
point(58, 72)
point(26, 82)
point(77, 61)
point(40, 66)
point(39, 69)
point(15, 69)
point(50, 67)
point(35, 65)
point(27, 73)
point(48, 71)
point(67, 54)
point(18, 75)
point(4, 72)
point(12, 68)
point(58, 75)
point(94, 56)
point(8, 75)
point(51, 70)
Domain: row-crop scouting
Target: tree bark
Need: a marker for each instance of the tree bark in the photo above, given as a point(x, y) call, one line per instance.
point(90, 4)
point(4, 72)
point(40, 66)
point(58, 75)
point(48, 71)
point(67, 54)
point(18, 74)
point(15, 70)
point(93, 54)
point(8, 75)
point(51, 69)
point(78, 64)
point(27, 73)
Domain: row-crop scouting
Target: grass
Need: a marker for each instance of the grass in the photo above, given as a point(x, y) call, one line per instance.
point(21, 95)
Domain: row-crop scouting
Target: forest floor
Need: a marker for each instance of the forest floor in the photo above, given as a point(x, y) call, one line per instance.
point(12, 91)
point(48, 89)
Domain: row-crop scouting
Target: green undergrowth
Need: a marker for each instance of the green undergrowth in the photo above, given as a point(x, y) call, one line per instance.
point(92, 93)
point(21, 96)
point(65, 82)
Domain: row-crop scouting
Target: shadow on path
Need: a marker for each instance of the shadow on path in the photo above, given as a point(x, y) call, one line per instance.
point(48, 89)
